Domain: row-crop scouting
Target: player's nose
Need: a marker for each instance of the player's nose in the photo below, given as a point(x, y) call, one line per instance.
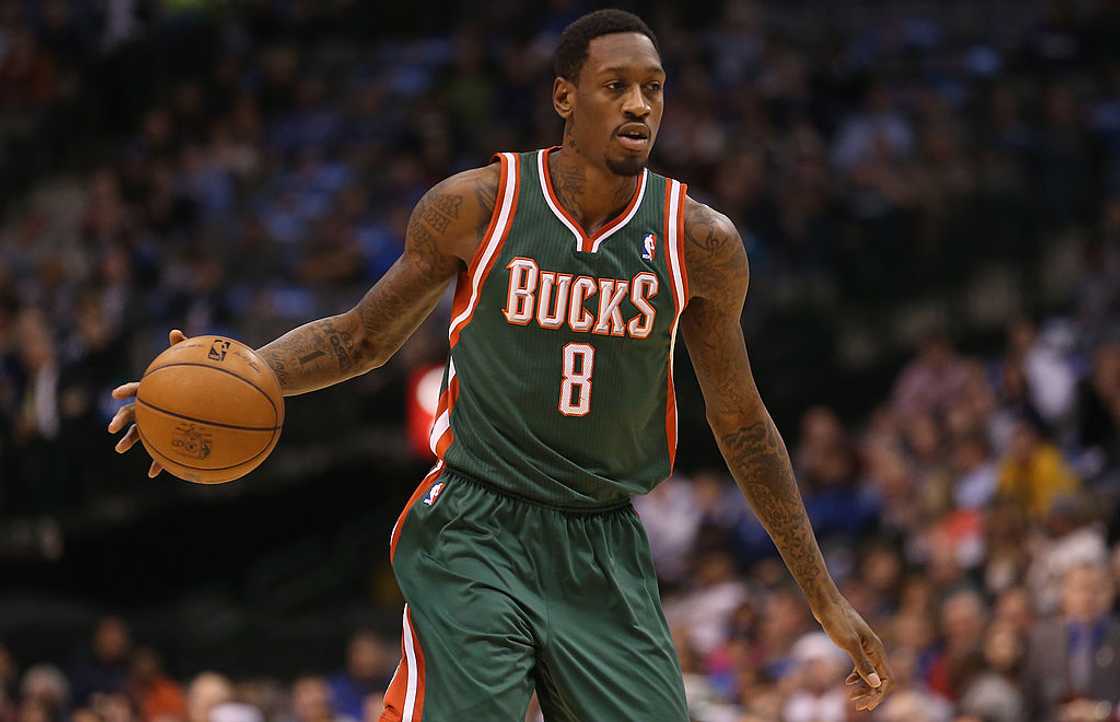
point(634, 103)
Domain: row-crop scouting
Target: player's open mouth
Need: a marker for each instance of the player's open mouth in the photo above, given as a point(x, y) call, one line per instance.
point(633, 136)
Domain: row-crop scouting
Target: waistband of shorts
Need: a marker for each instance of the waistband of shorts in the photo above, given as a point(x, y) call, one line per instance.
point(624, 505)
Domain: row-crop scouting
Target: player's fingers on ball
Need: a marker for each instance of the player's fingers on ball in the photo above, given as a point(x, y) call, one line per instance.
point(121, 418)
point(154, 469)
point(175, 336)
point(866, 702)
point(126, 390)
point(128, 440)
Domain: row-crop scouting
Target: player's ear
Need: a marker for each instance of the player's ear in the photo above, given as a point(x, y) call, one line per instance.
point(563, 97)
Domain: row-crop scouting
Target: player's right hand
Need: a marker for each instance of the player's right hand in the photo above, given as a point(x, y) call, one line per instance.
point(127, 414)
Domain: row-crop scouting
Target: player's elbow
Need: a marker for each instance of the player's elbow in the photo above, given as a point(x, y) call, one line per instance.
point(726, 415)
point(373, 355)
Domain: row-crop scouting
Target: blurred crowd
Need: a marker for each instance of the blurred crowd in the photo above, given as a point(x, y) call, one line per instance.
point(888, 165)
point(972, 521)
point(114, 680)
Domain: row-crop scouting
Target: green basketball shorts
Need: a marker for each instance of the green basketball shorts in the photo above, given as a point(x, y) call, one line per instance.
point(504, 596)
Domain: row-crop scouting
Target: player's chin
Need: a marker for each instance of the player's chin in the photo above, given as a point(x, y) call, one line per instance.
point(627, 164)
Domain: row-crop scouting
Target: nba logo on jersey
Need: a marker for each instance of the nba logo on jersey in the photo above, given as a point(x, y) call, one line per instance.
point(650, 243)
point(433, 493)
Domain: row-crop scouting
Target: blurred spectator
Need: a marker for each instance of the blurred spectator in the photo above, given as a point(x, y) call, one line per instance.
point(820, 669)
point(45, 691)
point(963, 618)
point(993, 694)
point(311, 701)
point(931, 381)
point(1099, 409)
point(1033, 472)
point(369, 667)
point(155, 694)
point(235, 712)
point(1076, 655)
point(205, 692)
point(104, 668)
point(705, 609)
point(976, 481)
point(1073, 537)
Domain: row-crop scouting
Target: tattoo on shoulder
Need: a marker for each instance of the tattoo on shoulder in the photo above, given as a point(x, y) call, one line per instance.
point(438, 210)
point(714, 252)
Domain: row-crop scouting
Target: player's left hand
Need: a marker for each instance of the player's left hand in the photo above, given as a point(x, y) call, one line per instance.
point(871, 678)
point(126, 415)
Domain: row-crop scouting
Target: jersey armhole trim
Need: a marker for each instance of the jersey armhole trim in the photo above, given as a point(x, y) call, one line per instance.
point(505, 207)
point(681, 259)
point(503, 171)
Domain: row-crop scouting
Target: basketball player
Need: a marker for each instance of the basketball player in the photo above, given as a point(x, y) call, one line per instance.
point(520, 557)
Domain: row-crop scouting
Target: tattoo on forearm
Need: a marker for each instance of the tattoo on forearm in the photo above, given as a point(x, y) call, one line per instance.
point(314, 355)
point(278, 367)
point(342, 345)
point(759, 461)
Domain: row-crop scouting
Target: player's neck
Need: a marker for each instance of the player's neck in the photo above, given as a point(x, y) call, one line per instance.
point(592, 195)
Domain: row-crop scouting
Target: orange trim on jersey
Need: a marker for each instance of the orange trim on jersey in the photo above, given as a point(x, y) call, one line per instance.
point(499, 197)
point(394, 695)
point(421, 672)
point(680, 243)
point(452, 392)
point(462, 295)
point(397, 693)
point(665, 246)
point(671, 390)
point(448, 437)
point(463, 281)
point(473, 269)
point(587, 242)
point(416, 496)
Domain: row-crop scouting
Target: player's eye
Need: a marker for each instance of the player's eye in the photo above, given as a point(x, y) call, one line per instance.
point(654, 87)
point(616, 85)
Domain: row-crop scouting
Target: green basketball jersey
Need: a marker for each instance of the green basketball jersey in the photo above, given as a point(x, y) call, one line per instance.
point(559, 385)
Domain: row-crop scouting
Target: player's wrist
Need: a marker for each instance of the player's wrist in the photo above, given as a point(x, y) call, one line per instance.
point(825, 599)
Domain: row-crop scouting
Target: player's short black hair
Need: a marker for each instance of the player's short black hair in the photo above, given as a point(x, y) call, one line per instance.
point(571, 52)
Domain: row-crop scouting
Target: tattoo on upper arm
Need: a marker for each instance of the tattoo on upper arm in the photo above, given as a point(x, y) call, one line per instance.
point(714, 255)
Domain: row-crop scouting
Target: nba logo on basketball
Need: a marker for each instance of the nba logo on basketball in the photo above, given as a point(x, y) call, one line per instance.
point(650, 243)
point(433, 493)
point(218, 350)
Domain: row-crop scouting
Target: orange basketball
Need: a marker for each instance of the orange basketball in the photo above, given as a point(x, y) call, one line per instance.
point(209, 409)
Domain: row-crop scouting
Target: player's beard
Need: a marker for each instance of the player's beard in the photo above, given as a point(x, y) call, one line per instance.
point(629, 166)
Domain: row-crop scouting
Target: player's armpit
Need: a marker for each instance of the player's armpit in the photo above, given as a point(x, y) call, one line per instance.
point(442, 234)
